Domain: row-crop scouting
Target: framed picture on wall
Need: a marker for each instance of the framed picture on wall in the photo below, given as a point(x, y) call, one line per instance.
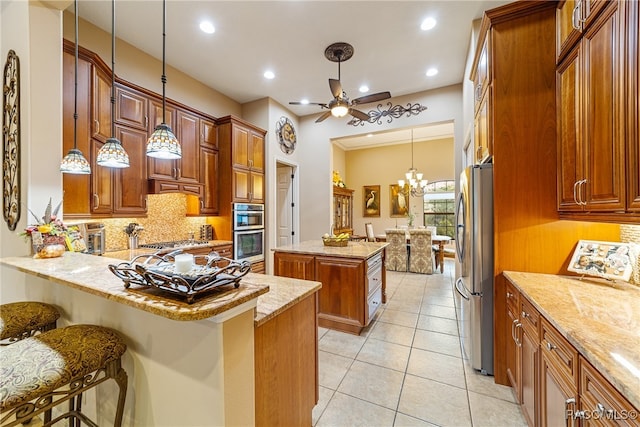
point(399, 203)
point(610, 260)
point(371, 200)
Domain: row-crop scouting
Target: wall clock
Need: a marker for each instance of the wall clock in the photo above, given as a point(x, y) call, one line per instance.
point(286, 135)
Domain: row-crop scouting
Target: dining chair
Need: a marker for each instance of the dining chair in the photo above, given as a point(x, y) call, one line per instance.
point(371, 237)
point(396, 251)
point(421, 260)
point(435, 247)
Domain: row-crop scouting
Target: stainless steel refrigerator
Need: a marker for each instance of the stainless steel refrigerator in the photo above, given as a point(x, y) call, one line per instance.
point(474, 285)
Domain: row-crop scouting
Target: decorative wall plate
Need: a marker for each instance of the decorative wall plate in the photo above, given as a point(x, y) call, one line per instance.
point(286, 135)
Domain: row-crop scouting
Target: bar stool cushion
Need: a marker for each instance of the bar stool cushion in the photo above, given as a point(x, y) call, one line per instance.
point(38, 365)
point(22, 319)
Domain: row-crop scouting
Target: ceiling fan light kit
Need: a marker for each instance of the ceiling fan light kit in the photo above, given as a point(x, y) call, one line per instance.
point(340, 105)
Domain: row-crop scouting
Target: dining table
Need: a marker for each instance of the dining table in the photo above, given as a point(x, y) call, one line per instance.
point(440, 240)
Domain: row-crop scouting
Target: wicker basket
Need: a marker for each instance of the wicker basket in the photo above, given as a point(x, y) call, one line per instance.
point(335, 242)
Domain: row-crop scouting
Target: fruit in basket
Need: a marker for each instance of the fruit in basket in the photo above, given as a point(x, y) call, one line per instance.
point(325, 236)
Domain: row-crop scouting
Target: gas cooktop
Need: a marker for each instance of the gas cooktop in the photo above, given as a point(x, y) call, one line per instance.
point(176, 244)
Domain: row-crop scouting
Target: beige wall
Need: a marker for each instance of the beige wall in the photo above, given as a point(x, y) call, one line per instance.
point(383, 166)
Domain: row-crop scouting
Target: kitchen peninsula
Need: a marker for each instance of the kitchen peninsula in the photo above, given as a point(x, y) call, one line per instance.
point(353, 279)
point(188, 364)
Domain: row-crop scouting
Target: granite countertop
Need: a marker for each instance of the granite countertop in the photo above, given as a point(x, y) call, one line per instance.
point(601, 320)
point(90, 273)
point(362, 250)
point(129, 254)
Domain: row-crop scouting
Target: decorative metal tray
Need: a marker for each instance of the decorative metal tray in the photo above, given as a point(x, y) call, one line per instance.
point(159, 271)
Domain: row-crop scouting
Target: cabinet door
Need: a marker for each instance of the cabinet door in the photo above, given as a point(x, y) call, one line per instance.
point(240, 184)
point(633, 121)
point(483, 145)
point(603, 131)
point(568, 124)
point(342, 294)
point(482, 74)
point(209, 178)
point(101, 105)
point(567, 27)
point(256, 194)
point(188, 134)
point(240, 147)
point(131, 109)
point(529, 377)
point(161, 168)
point(295, 266)
point(77, 188)
point(101, 188)
point(208, 134)
point(557, 398)
point(130, 184)
point(513, 353)
point(256, 159)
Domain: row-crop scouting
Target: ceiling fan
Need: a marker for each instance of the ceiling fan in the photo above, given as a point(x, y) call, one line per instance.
point(340, 105)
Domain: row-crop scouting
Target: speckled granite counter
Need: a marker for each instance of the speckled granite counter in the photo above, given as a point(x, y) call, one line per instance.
point(128, 254)
point(90, 274)
point(361, 250)
point(601, 320)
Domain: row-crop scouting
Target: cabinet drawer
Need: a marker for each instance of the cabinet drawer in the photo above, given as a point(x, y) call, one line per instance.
point(374, 274)
point(559, 352)
point(530, 319)
point(512, 296)
point(373, 302)
point(601, 402)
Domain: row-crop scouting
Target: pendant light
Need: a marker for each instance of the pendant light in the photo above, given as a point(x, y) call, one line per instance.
point(74, 162)
point(162, 143)
point(417, 185)
point(112, 153)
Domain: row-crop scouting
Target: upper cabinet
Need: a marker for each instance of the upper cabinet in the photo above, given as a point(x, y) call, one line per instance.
point(242, 145)
point(595, 123)
point(481, 77)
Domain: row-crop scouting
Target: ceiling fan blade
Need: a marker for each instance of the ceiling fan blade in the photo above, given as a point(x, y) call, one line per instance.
point(372, 98)
point(323, 116)
point(359, 114)
point(336, 88)
point(308, 103)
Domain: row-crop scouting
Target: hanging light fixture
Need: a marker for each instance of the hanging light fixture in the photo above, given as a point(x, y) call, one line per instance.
point(162, 143)
point(74, 162)
point(416, 185)
point(112, 154)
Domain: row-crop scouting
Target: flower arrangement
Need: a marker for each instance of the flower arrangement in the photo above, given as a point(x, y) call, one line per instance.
point(50, 224)
point(49, 236)
point(133, 229)
point(337, 180)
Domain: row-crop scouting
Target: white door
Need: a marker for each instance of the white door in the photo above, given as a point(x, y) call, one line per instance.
point(284, 209)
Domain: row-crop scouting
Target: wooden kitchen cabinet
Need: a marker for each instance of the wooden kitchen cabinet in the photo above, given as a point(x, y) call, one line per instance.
point(352, 288)
point(633, 110)
point(529, 362)
point(513, 344)
point(132, 108)
point(482, 129)
point(242, 146)
point(342, 210)
point(100, 102)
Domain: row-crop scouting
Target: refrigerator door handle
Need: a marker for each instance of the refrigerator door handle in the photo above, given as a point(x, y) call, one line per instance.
point(461, 227)
point(458, 283)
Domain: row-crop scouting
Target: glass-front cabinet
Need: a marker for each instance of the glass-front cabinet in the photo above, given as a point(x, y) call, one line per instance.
point(342, 210)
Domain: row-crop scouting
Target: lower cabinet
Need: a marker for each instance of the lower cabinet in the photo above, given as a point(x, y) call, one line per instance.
point(554, 384)
point(286, 366)
point(222, 250)
point(352, 288)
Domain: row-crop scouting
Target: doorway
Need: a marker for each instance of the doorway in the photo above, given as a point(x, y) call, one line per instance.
point(285, 204)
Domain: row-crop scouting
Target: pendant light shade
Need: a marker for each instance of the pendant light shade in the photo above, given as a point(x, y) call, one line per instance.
point(163, 144)
point(112, 154)
point(74, 162)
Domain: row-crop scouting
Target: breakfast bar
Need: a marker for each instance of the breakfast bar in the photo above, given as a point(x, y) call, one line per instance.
point(188, 364)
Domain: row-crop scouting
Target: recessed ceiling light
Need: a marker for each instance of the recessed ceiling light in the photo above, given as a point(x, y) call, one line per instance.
point(428, 24)
point(207, 27)
point(304, 101)
point(432, 72)
point(269, 74)
point(369, 135)
point(364, 88)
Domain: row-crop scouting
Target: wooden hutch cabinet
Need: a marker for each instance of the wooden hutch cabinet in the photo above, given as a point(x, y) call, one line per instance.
point(342, 210)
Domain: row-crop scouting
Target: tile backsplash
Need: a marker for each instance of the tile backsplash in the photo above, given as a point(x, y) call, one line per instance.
point(631, 234)
point(166, 220)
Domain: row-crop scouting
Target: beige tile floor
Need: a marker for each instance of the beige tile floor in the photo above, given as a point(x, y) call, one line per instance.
point(407, 368)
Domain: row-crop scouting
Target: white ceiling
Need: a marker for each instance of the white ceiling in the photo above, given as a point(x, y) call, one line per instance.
point(391, 53)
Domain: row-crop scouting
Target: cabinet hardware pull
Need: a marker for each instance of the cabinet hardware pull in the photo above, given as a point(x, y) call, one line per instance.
point(96, 200)
point(146, 121)
point(201, 204)
point(174, 173)
point(524, 314)
point(550, 346)
point(580, 193)
point(509, 295)
point(179, 174)
point(513, 330)
point(97, 124)
point(518, 342)
point(575, 196)
point(478, 91)
point(570, 419)
point(602, 410)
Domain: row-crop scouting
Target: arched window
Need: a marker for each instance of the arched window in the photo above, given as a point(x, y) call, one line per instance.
point(439, 206)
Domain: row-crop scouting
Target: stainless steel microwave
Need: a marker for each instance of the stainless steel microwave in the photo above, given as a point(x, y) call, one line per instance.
point(248, 216)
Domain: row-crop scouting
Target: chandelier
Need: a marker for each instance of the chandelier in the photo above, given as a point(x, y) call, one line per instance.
point(414, 183)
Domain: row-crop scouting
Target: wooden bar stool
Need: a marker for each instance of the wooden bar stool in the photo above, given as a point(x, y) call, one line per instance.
point(20, 320)
point(43, 371)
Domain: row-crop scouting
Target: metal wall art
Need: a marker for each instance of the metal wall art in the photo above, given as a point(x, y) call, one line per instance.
point(11, 141)
point(392, 112)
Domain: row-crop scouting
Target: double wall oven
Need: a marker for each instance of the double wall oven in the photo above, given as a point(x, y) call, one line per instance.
point(248, 232)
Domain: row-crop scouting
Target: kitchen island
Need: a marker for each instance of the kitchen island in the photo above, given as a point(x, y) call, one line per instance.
point(188, 364)
point(353, 279)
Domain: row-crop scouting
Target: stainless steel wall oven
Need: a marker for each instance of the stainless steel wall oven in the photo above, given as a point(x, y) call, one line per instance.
point(248, 232)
